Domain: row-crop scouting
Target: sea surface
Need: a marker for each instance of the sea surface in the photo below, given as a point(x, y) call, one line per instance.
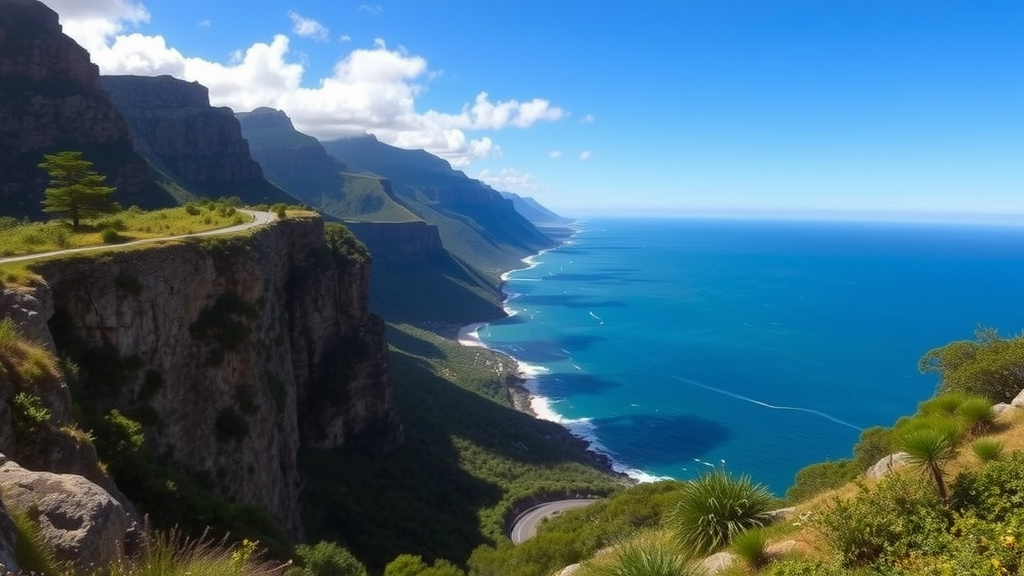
point(760, 346)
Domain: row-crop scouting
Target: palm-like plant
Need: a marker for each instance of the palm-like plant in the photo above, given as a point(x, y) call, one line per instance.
point(716, 507)
point(930, 448)
point(976, 414)
point(646, 555)
point(752, 547)
point(988, 449)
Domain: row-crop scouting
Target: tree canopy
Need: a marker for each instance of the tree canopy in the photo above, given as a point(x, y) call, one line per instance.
point(76, 190)
point(989, 366)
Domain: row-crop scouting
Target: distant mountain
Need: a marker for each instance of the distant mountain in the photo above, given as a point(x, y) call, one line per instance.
point(477, 224)
point(196, 149)
point(298, 163)
point(535, 212)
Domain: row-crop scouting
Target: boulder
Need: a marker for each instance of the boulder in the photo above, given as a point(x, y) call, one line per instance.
point(718, 562)
point(1000, 408)
point(888, 464)
point(82, 523)
point(1019, 400)
point(569, 570)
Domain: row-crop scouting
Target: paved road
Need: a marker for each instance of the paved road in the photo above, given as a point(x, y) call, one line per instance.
point(525, 526)
point(258, 219)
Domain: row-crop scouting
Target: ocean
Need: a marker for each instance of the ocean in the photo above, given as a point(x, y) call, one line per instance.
point(761, 346)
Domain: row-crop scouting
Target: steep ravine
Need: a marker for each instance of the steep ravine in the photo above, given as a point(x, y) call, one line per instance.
point(232, 351)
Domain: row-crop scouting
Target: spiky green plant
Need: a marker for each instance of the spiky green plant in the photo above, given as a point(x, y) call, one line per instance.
point(930, 449)
point(752, 546)
point(987, 449)
point(646, 555)
point(976, 414)
point(945, 404)
point(716, 507)
point(173, 553)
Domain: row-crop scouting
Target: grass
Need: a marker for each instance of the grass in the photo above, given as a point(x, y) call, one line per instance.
point(133, 224)
point(987, 449)
point(716, 507)
point(172, 553)
point(648, 554)
point(752, 546)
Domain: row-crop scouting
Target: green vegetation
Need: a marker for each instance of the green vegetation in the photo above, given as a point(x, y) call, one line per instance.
point(988, 449)
point(345, 245)
point(364, 197)
point(225, 325)
point(20, 237)
point(716, 507)
point(931, 449)
point(173, 553)
point(480, 455)
point(650, 554)
point(325, 559)
point(989, 366)
point(30, 550)
point(76, 191)
point(752, 547)
point(410, 565)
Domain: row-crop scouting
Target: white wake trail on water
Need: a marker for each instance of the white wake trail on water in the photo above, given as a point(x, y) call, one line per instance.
point(765, 404)
point(596, 317)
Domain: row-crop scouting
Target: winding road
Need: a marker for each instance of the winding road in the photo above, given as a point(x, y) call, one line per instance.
point(525, 526)
point(258, 219)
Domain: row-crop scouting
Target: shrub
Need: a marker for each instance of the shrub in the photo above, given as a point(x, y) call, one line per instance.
point(716, 507)
point(803, 567)
point(110, 236)
point(280, 209)
point(945, 404)
point(988, 365)
point(886, 523)
point(817, 478)
point(27, 414)
point(976, 415)
point(875, 443)
point(752, 546)
point(325, 559)
point(192, 209)
point(987, 449)
point(646, 555)
point(993, 492)
point(930, 449)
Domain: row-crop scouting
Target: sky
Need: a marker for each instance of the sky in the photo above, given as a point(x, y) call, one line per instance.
point(647, 107)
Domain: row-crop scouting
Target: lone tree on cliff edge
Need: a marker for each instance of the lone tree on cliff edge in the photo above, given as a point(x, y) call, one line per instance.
point(76, 190)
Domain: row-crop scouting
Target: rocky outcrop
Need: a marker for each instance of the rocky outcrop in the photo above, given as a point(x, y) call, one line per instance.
point(399, 242)
point(199, 147)
point(51, 100)
point(887, 465)
point(232, 351)
point(79, 521)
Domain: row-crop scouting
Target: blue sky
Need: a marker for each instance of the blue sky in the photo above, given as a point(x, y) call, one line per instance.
point(647, 107)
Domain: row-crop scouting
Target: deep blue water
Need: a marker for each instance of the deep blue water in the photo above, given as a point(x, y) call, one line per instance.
point(677, 344)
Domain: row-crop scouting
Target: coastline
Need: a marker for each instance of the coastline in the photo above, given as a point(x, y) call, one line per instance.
point(525, 397)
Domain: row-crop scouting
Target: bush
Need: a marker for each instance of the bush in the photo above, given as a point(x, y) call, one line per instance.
point(27, 414)
point(752, 547)
point(646, 555)
point(280, 209)
point(987, 449)
point(817, 478)
point(325, 559)
point(884, 524)
point(988, 366)
point(192, 209)
point(875, 443)
point(976, 415)
point(110, 236)
point(993, 492)
point(803, 567)
point(716, 507)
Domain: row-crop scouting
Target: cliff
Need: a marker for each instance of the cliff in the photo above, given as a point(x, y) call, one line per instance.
point(191, 144)
point(231, 351)
point(299, 163)
point(51, 100)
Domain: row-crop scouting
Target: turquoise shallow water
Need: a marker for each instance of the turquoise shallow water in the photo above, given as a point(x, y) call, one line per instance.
point(676, 345)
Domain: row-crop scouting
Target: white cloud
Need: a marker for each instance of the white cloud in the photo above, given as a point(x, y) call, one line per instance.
point(555, 154)
point(509, 180)
point(308, 27)
point(345, 38)
point(588, 119)
point(585, 155)
point(369, 90)
point(92, 22)
point(205, 23)
point(375, 9)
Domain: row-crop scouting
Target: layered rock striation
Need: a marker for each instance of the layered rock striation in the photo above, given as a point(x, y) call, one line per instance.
point(51, 100)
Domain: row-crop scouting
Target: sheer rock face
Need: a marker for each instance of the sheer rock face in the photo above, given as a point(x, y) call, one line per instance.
point(51, 100)
point(199, 146)
point(400, 242)
point(239, 349)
